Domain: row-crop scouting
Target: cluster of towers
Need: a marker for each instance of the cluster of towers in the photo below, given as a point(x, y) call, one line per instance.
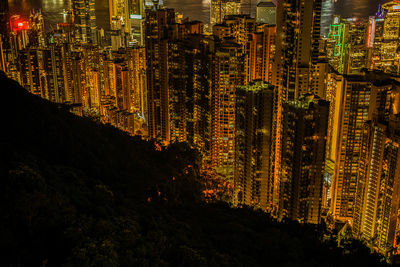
point(298, 125)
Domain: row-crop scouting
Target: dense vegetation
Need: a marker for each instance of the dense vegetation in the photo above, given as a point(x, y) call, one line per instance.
point(75, 193)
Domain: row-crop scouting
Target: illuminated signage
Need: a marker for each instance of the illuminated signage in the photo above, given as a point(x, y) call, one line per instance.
point(134, 16)
point(336, 20)
point(396, 7)
point(20, 25)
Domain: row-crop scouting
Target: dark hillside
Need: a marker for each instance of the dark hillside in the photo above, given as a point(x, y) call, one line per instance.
point(76, 193)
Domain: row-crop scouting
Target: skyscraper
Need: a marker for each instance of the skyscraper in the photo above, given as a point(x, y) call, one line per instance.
point(376, 214)
point(261, 53)
point(84, 18)
point(51, 73)
point(296, 53)
point(183, 79)
point(198, 52)
point(158, 21)
point(336, 44)
point(137, 71)
point(349, 50)
point(226, 74)
point(257, 41)
point(255, 146)
point(168, 80)
point(137, 14)
point(356, 97)
point(120, 23)
point(237, 27)
point(390, 52)
point(304, 130)
point(298, 34)
point(376, 39)
point(29, 71)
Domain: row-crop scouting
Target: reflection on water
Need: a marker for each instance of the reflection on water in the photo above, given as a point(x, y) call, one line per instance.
point(347, 9)
point(194, 9)
point(52, 10)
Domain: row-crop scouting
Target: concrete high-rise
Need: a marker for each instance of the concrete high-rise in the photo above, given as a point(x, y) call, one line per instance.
point(257, 41)
point(297, 46)
point(226, 74)
point(304, 129)
point(158, 21)
point(390, 52)
point(84, 18)
point(255, 146)
point(167, 78)
point(378, 186)
point(120, 23)
point(296, 54)
point(355, 98)
point(261, 53)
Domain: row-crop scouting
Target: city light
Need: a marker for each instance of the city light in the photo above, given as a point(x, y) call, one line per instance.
point(285, 120)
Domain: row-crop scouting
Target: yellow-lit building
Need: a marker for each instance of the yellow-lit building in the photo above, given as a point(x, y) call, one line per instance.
point(390, 46)
point(227, 74)
point(255, 146)
point(304, 129)
point(84, 19)
point(376, 212)
point(221, 8)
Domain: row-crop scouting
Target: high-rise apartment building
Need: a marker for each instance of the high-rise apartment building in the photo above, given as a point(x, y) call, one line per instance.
point(237, 27)
point(198, 51)
point(354, 99)
point(304, 129)
point(51, 73)
point(376, 212)
point(168, 79)
point(120, 23)
point(296, 53)
point(84, 18)
point(78, 78)
point(260, 56)
point(28, 68)
point(136, 60)
point(137, 14)
point(390, 52)
point(257, 41)
point(255, 147)
point(158, 22)
point(297, 46)
point(226, 74)
point(353, 111)
point(184, 70)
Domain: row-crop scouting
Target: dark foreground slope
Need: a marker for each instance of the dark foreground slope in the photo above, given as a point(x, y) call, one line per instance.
point(76, 193)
